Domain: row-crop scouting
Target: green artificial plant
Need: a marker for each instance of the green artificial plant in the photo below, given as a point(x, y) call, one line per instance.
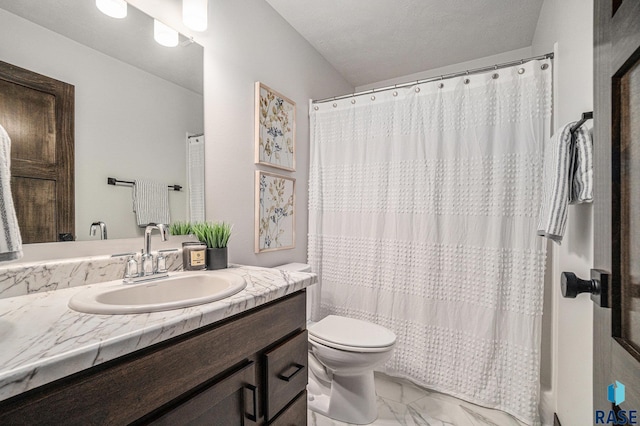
point(213, 234)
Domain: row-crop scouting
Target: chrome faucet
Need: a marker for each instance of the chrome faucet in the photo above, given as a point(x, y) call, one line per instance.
point(148, 268)
point(147, 271)
point(103, 229)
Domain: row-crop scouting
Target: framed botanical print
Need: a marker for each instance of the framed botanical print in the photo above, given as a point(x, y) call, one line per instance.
point(275, 212)
point(275, 129)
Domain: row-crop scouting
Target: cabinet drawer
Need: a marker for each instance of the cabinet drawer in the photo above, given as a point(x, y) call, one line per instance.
point(295, 414)
point(285, 372)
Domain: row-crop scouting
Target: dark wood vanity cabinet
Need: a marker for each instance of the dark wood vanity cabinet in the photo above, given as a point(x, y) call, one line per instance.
point(250, 369)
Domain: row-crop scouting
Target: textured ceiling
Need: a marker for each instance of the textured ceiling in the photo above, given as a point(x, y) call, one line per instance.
point(374, 40)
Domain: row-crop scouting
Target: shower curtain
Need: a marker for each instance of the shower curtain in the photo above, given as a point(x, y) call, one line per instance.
point(423, 207)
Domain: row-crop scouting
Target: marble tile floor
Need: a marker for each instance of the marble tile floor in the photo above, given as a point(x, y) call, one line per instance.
point(401, 402)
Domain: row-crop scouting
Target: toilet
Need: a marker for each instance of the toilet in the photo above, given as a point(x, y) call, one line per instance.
point(342, 355)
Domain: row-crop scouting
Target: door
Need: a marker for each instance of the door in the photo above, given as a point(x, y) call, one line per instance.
point(38, 114)
point(617, 208)
point(231, 401)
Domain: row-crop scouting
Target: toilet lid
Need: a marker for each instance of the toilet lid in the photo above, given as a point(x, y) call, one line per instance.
point(351, 332)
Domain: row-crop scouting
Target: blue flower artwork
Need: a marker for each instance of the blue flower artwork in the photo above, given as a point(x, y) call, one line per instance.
point(275, 205)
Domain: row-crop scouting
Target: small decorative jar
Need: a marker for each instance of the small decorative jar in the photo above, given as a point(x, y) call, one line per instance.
point(194, 256)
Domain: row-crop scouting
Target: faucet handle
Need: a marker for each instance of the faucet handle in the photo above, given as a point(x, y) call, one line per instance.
point(161, 263)
point(161, 260)
point(131, 270)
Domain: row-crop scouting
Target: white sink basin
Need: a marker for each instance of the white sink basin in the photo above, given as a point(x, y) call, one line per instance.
point(179, 290)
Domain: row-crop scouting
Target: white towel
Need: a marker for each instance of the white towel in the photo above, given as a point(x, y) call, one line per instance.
point(150, 202)
point(10, 238)
point(568, 176)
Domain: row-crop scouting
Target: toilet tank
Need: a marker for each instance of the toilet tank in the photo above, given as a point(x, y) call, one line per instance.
point(313, 291)
point(295, 267)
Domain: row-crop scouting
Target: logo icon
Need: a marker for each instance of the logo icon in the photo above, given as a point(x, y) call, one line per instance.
point(615, 393)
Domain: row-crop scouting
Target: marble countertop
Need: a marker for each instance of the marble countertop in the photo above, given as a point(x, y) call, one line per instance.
point(43, 340)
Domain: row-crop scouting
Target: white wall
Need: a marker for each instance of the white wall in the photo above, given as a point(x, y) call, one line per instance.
point(512, 55)
point(569, 23)
point(118, 132)
point(248, 41)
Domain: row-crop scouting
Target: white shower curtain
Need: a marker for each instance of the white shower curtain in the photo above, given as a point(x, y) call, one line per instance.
point(423, 207)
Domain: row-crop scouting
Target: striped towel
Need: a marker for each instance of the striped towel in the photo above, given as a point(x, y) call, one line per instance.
point(150, 202)
point(568, 177)
point(581, 178)
point(10, 238)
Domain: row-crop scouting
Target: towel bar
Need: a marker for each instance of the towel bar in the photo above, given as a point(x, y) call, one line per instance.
point(114, 181)
point(585, 116)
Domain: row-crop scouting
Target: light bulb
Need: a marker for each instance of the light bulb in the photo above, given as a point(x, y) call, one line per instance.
point(164, 34)
point(194, 14)
point(113, 8)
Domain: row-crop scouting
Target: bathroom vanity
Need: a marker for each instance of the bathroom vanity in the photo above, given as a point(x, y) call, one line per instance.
point(242, 360)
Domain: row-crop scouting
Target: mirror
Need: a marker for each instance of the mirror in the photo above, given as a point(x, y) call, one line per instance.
point(136, 102)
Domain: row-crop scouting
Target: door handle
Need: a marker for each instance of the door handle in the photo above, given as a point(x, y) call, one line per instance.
point(597, 286)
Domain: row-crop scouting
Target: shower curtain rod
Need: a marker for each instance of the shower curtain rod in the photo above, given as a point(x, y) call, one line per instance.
point(442, 77)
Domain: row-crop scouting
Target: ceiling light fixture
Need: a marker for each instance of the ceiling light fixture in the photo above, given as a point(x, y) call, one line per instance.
point(164, 34)
point(194, 14)
point(113, 8)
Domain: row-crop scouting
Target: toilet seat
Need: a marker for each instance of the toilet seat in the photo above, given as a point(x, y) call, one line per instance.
point(350, 334)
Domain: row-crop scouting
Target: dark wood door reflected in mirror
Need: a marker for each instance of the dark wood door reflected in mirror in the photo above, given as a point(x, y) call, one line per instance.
point(38, 114)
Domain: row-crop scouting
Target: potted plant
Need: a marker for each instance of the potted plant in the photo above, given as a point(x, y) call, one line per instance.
point(216, 236)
